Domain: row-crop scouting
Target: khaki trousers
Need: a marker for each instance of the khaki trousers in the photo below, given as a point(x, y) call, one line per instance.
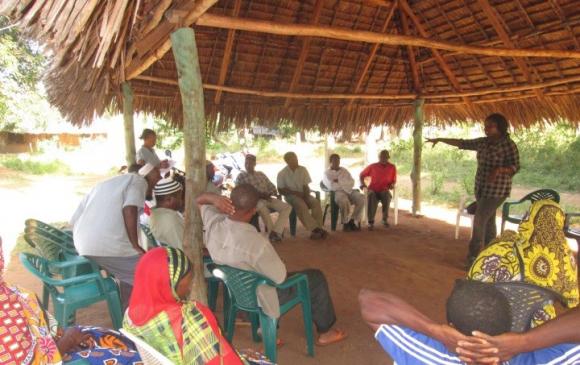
point(308, 211)
point(264, 209)
point(344, 201)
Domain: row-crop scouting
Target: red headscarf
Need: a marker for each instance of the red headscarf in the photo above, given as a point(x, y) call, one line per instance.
point(153, 292)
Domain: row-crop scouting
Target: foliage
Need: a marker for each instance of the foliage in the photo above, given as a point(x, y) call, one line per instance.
point(35, 167)
point(23, 104)
point(168, 136)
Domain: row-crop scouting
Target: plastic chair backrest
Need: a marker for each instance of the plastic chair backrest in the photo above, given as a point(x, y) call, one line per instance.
point(542, 194)
point(64, 243)
point(35, 223)
point(324, 188)
point(149, 355)
point(241, 284)
point(46, 247)
point(37, 266)
point(525, 300)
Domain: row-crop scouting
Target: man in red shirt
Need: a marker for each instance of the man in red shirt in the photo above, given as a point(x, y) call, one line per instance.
point(383, 176)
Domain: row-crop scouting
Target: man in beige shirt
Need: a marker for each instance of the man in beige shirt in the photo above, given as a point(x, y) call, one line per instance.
point(293, 183)
point(166, 221)
point(231, 240)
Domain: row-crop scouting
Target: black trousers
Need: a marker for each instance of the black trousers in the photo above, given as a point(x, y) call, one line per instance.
point(323, 314)
point(374, 197)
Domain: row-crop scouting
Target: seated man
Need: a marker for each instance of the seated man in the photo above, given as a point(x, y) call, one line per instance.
point(105, 224)
point(383, 177)
point(293, 183)
point(339, 180)
point(412, 338)
point(268, 201)
point(231, 240)
point(209, 174)
point(166, 221)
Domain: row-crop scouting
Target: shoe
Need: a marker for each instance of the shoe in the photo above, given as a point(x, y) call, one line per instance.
point(385, 223)
point(323, 232)
point(316, 235)
point(371, 227)
point(354, 227)
point(274, 237)
point(347, 227)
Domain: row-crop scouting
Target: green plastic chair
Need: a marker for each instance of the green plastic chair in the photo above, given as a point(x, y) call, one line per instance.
point(331, 204)
point(294, 218)
point(73, 293)
point(531, 197)
point(242, 286)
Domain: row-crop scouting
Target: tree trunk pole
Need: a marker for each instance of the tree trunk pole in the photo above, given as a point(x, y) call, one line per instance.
point(417, 150)
point(129, 125)
point(190, 86)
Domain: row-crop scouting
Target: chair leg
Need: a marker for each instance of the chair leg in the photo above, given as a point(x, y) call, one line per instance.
point(307, 317)
point(269, 336)
point(212, 292)
point(255, 320)
point(230, 320)
point(45, 297)
point(333, 215)
point(324, 214)
point(115, 309)
point(457, 221)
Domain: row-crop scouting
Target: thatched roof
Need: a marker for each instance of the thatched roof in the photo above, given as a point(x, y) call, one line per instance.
point(335, 64)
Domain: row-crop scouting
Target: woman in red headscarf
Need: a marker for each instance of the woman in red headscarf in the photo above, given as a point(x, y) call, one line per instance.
point(184, 331)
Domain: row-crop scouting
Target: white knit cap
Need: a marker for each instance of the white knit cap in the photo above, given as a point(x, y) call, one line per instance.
point(166, 187)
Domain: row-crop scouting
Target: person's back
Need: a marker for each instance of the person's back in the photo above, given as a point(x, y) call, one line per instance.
point(167, 226)
point(98, 224)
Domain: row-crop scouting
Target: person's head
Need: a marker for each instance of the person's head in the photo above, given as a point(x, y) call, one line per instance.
point(152, 175)
point(149, 138)
point(291, 160)
point(250, 163)
point(209, 170)
point(384, 157)
point(477, 306)
point(496, 126)
point(162, 282)
point(244, 198)
point(334, 160)
point(169, 194)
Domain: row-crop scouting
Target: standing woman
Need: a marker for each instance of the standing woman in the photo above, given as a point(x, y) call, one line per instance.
point(497, 162)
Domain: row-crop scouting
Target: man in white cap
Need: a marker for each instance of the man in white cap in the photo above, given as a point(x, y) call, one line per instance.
point(105, 224)
point(166, 220)
point(146, 154)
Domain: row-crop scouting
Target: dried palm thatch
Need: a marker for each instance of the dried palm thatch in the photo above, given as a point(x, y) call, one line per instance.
point(331, 64)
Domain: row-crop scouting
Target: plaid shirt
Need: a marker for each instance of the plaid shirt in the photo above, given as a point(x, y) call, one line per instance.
point(490, 155)
point(258, 180)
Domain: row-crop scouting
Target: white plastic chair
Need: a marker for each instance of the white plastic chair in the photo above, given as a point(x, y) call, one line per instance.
point(149, 355)
point(395, 201)
point(462, 212)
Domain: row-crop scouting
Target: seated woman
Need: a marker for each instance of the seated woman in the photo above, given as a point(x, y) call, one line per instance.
point(184, 331)
point(537, 254)
point(35, 338)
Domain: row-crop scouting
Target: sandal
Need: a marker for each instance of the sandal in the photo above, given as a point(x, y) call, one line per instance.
point(340, 335)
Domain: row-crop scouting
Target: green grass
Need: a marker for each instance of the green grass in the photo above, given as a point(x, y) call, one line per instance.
point(35, 167)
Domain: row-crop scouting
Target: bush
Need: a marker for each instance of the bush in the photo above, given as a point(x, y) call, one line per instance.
point(35, 167)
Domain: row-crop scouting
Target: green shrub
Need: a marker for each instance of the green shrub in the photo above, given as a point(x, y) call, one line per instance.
point(35, 167)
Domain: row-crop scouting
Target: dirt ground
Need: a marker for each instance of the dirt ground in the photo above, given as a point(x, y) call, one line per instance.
point(418, 260)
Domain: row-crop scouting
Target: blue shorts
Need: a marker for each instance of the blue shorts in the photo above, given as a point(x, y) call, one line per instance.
point(407, 347)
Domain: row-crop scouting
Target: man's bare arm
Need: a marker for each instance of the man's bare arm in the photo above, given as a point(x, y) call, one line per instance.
point(130, 217)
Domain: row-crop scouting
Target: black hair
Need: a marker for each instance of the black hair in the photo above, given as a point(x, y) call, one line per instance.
point(146, 133)
point(162, 198)
point(333, 156)
point(288, 154)
point(500, 122)
point(476, 306)
point(244, 197)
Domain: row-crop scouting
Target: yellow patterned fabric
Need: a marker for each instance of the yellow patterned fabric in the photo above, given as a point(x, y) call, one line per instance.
point(538, 254)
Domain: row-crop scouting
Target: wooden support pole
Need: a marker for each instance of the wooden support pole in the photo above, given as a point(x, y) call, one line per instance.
point(417, 151)
point(191, 89)
point(307, 30)
point(129, 125)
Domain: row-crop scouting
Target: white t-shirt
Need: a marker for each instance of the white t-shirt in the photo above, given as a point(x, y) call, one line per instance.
point(98, 224)
point(293, 180)
point(345, 180)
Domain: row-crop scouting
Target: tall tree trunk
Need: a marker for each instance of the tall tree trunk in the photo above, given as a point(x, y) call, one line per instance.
point(417, 151)
point(190, 86)
point(128, 123)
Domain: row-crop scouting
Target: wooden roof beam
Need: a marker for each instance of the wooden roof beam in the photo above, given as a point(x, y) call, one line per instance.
point(407, 96)
point(494, 19)
point(157, 41)
point(227, 53)
point(305, 30)
point(411, 54)
point(304, 50)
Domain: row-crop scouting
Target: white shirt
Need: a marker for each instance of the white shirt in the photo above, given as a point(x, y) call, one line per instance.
point(239, 245)
point(345, 180)
point(167, 226)
point(98, 224)
point(293, 180)
point(148, 155)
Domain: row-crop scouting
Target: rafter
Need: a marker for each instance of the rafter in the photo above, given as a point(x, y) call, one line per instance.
point(227, 52)
point(411, 54)
point(304, 50)
point(499, 28)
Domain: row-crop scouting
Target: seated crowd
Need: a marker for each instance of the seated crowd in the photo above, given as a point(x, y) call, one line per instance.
point(155, 284)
